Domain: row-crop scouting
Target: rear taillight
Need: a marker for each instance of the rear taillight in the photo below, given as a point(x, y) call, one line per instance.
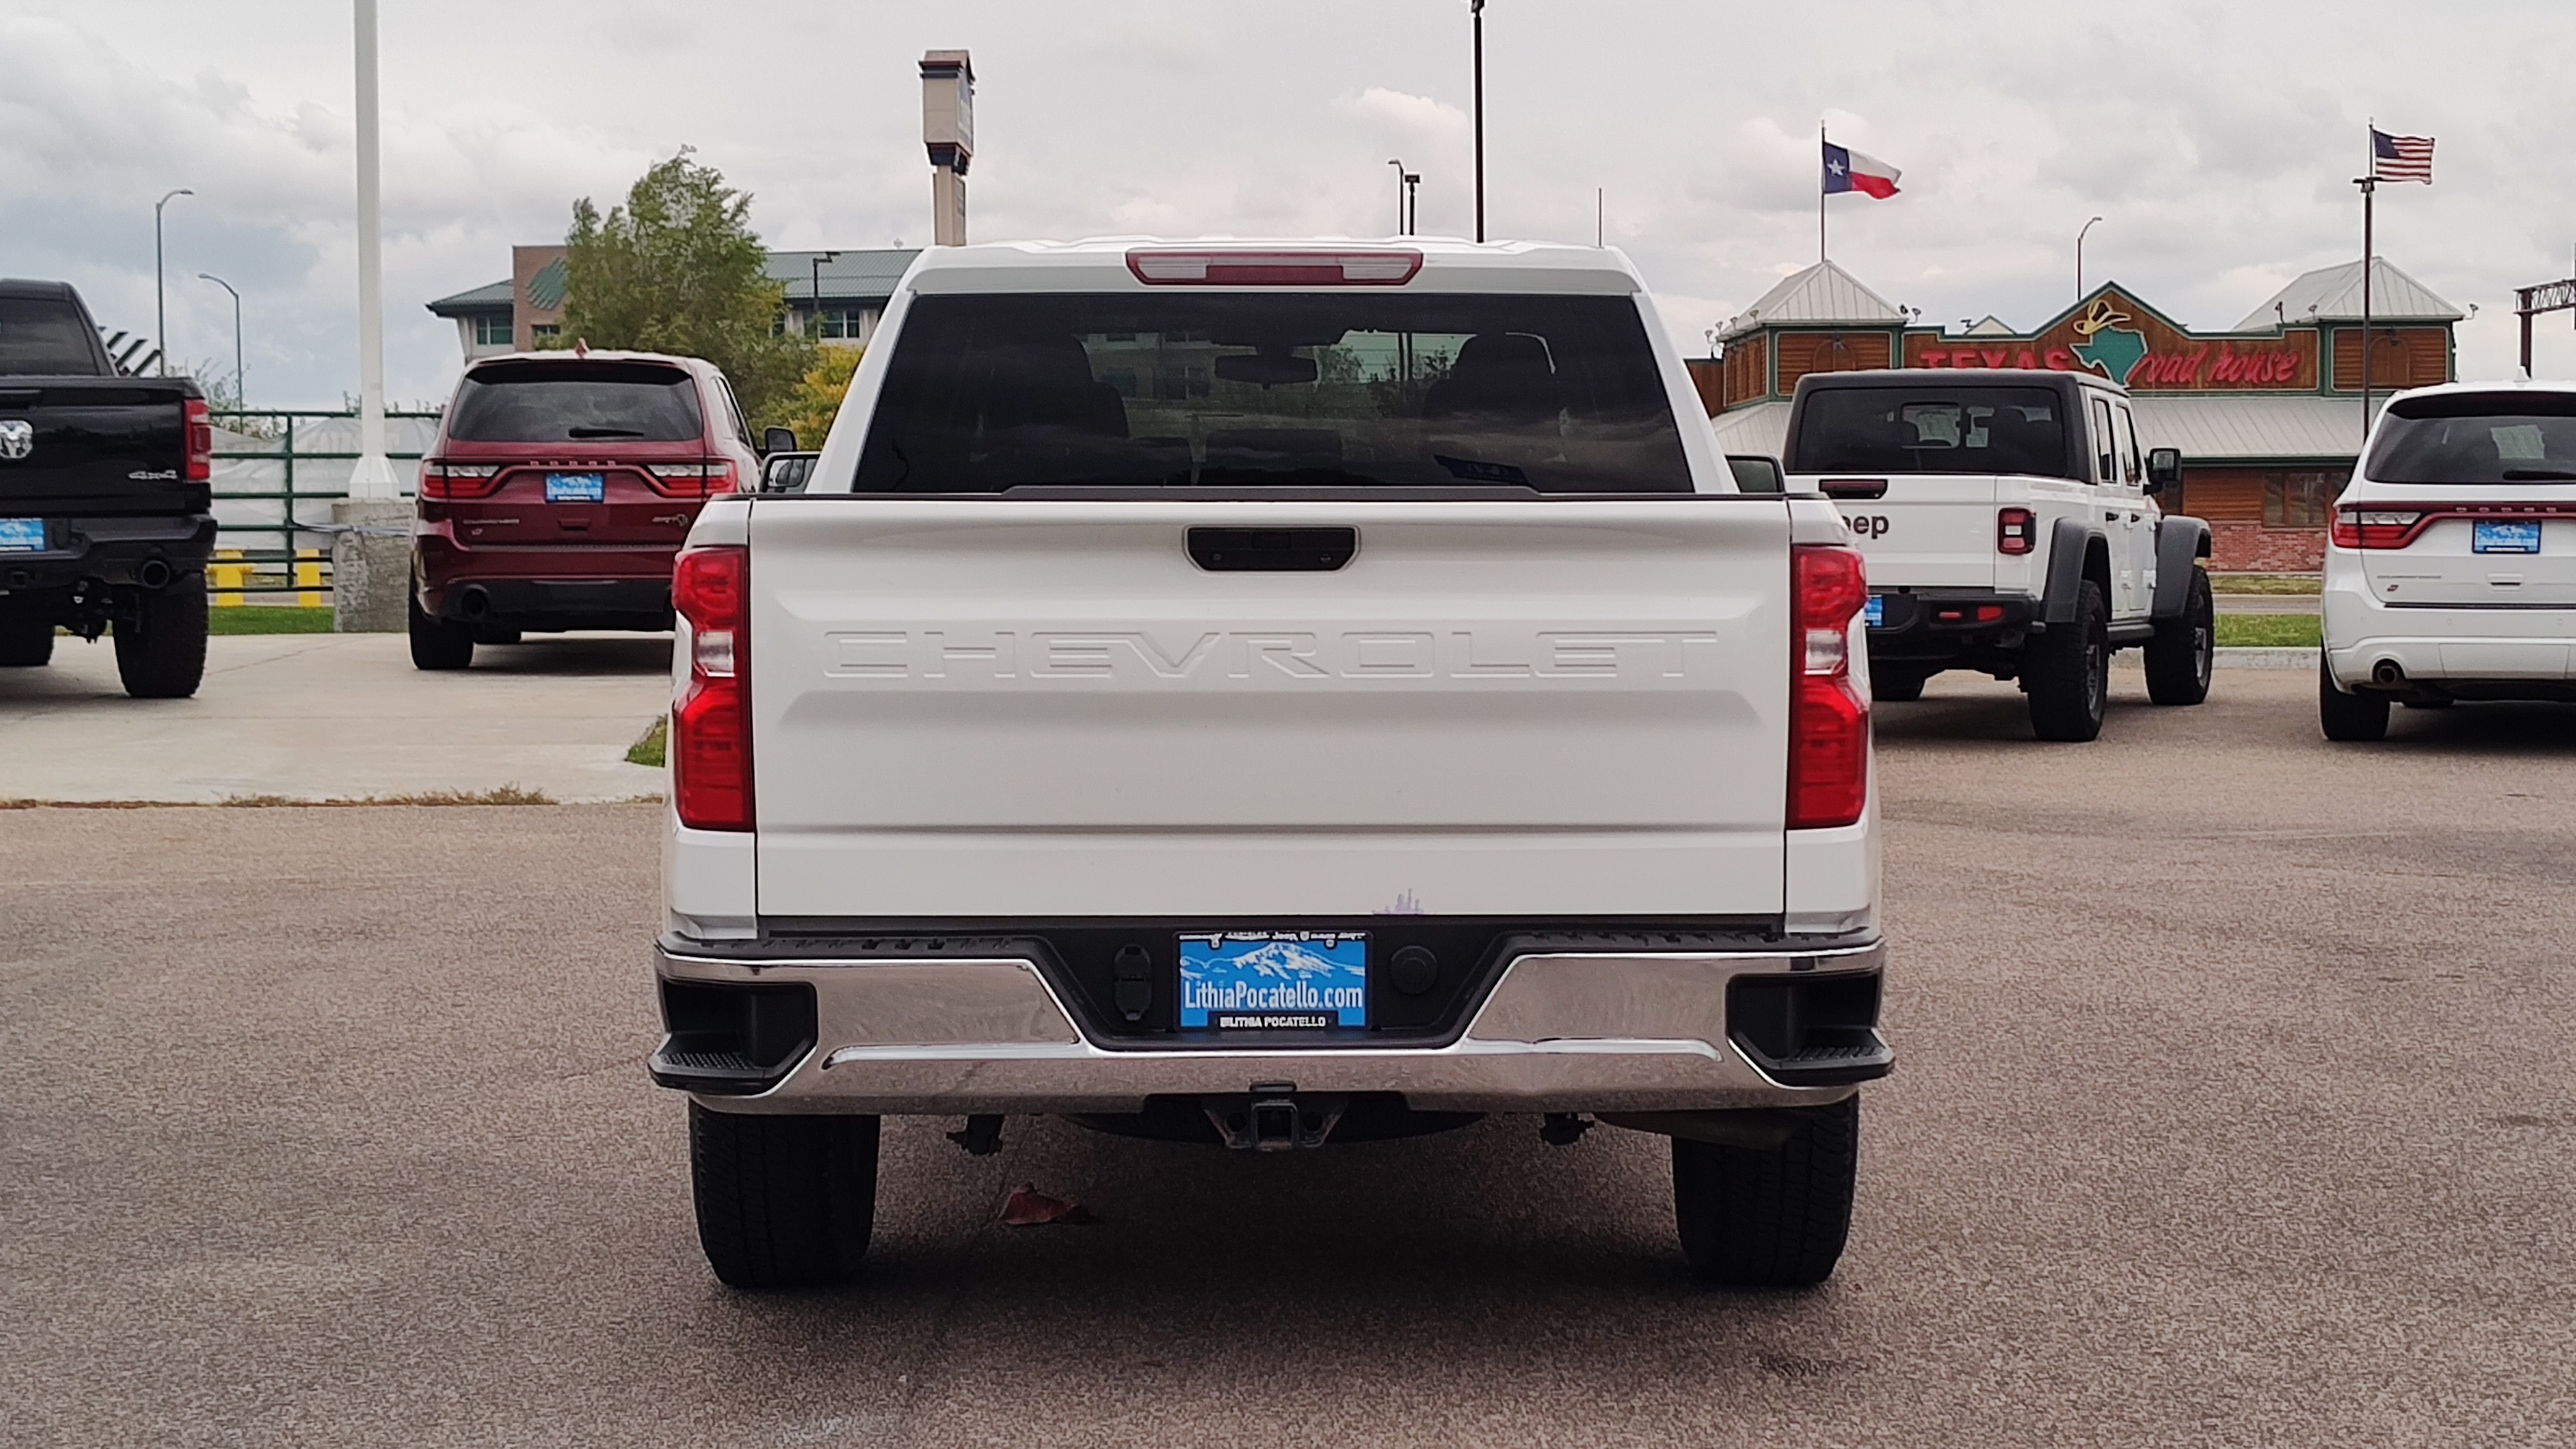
point(691, 480)
point(1321, 267)
point(442, 479)
point(1828, 720)
point(2376, 527)
point(201, 441)
point(2016, 531)
point(711, 719)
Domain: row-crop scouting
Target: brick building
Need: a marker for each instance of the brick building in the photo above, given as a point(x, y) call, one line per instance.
point(2267, 414)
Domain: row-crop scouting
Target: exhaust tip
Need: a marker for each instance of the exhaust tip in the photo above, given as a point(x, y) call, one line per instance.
point(476, 603)
point(2386, 673)
point(152, 573)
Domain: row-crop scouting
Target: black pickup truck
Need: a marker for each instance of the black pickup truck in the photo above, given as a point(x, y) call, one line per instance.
point(106, 498)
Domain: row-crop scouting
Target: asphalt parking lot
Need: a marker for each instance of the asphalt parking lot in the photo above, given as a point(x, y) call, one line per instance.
point(2235, 1107)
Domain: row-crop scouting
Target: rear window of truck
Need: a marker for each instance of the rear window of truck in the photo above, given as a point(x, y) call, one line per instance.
point(1931, 430)
point(1556, 394)
point(576, 402)
point(44, 338)
point(2477, 437)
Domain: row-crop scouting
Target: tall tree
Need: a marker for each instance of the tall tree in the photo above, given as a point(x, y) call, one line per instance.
point(678, 269)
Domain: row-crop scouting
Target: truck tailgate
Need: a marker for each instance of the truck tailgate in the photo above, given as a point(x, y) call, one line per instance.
point(1930, 531)
point(1005, 708)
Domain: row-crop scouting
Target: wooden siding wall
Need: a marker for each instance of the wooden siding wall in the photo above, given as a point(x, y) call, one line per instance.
point(1805, 352)
point(1747, 370)
point(2221, 495)
point(1708, 377)
point(2403, 357)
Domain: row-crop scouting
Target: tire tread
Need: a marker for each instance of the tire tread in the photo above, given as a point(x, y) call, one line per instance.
point(1775, 1218)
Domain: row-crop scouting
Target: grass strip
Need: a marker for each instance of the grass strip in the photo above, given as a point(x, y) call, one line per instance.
point(270, 619)
point(2269, 631)
point(2267, 583)
point(653, 746)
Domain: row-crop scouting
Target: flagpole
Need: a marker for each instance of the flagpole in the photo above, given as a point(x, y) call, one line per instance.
point(2369, 193)
point(1821, 144)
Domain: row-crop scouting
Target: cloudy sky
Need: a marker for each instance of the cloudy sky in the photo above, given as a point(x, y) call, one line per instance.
point(2216, 140)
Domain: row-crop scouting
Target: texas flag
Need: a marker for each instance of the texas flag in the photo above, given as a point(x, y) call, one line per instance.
point(1849, 170)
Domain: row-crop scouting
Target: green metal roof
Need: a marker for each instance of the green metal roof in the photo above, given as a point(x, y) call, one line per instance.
point(863, 278)
point(479, 301)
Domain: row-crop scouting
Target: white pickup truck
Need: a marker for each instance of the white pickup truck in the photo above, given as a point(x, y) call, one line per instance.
point(2011, 527)
point(1269, 695)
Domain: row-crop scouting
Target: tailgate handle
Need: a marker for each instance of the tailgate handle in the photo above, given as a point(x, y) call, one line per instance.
point(1273, 550)
point(1854, 487)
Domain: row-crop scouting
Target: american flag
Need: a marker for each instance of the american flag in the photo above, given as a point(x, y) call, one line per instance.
point(2400, 158)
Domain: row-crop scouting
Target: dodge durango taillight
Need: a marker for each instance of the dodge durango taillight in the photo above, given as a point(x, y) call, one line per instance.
point(692, 480)
point(442, 479)
point(1828, 719)
point(711, 718)
point(2376, 527)
point(2016, 531)
point(201, 440)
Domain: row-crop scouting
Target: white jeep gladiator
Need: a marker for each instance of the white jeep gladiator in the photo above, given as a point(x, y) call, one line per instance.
point(1271, 695)
point(2011, 527)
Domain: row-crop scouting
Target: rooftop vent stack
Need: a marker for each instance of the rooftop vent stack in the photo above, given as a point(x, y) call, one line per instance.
point(948, 132)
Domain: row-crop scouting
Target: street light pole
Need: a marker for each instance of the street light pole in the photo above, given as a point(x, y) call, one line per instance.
point(1476, 15)
point(1412, 200)
point(241, 389)
point(160, 307)
point(1399, 194)
point(2079, 259)
point(372, 479)
point(818, 259)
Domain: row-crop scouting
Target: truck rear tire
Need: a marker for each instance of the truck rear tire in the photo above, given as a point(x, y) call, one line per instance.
point(437, 644)
point(2180, 657)
point(1892, 683)
point(26, 643)
point(1775, 1217)
point(161, 650)
point(2352, 718)
point(2069, 671)
point(783, 1201)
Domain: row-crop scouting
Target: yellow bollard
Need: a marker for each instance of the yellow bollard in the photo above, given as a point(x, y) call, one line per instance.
point(308, 577)
point(228, 578)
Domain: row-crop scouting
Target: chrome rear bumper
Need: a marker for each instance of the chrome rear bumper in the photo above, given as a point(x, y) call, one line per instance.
point(1589, 1031)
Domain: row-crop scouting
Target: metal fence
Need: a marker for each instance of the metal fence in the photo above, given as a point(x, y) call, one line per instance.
point(277, 472)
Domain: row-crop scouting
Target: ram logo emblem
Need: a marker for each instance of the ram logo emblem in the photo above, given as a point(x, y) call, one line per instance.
point(17, 438)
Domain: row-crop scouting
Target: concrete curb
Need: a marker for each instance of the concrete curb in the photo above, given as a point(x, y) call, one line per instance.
point(2267, 658)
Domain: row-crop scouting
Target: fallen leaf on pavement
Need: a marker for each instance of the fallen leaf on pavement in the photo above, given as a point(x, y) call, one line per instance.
point(1030, 1208)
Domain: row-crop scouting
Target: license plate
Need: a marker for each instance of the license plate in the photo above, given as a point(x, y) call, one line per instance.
point(1876, 612)
point(2504, 537)
point(576, 488)
point(1273, 980)
point(22, 535)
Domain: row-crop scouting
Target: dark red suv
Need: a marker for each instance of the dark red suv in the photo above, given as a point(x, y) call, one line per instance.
point(558, 491)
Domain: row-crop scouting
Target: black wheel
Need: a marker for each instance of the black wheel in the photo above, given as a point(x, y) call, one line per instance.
point(2181, 655)
point(785, 1201)
point(437, 644)
point(2349, 717)
point(161, 649)
point(1770, 1218)
point(26, 643)
point(2068, 670)
point(1890, 682)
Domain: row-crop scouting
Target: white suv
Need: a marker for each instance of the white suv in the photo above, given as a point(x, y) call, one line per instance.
point(2452, 571)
